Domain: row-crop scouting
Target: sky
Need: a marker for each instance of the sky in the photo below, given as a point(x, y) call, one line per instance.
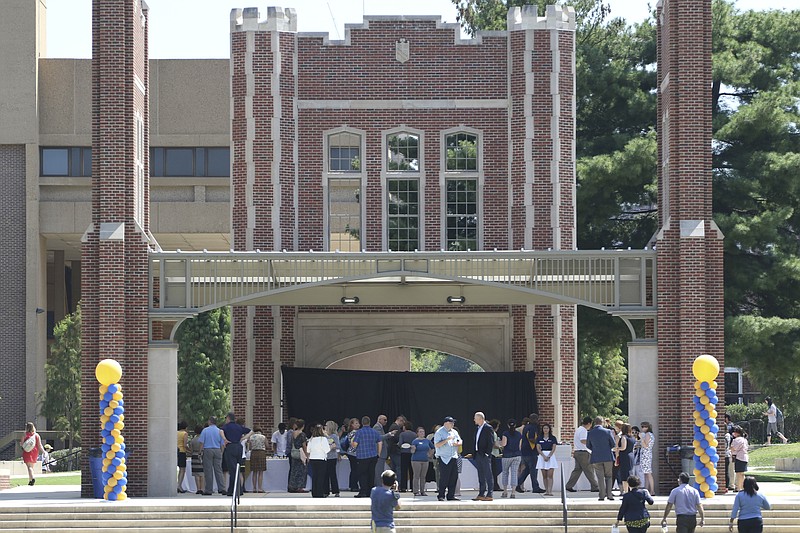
point(200, 28)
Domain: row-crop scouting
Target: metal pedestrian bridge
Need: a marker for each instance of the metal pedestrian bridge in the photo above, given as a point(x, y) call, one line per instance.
point(621, 282)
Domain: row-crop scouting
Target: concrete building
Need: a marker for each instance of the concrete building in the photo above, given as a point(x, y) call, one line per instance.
point(402, 138)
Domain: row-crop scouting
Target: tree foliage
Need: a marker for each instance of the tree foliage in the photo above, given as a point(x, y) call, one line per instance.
point(61, 400)
point(433, 361)
point(204, 353)
point(756, 110)
point(602, 374)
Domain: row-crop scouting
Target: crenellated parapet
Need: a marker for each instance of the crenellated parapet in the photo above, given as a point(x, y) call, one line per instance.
point(527, 18)
point(278, 19)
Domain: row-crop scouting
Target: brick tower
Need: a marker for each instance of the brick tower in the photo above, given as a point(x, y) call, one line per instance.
point(115, 246)
point(689, 244)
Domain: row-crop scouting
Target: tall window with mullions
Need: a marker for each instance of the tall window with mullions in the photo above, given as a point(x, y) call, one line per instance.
point(403, 221)
point(461, 191)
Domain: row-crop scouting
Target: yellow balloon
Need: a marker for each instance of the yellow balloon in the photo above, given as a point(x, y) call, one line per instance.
point(713, 443)
point(712, 470)
point(103, 389)
point(704, 400)
point(704, 430)
point(115, 447)
point(696, 473)
point(117, 396)
point(121, 418)
point(122, 496)
point(106, 489)
point(705, 368)
point(112, 482)
point(117, 474)
point(712, 414)
point(115, 432)
point(104, 418)
point(698, 385)
point(106, 461)
point(122, 467)
point(698, 452)
point(119, 440)
point(712, 385)
point(108, 411)
point(704, 487)
point(110, 454)
point(119, 425)
point(108, 371)
point(705, 458)
point(695, 444)
point(709, 494)
point(113, 404)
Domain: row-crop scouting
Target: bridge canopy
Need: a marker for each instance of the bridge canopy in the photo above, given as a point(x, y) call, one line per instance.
point(620, 282)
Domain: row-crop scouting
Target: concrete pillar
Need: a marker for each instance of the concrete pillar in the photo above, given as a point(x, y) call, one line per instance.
point(643, 382)
point(59, 286)
point(162, 419)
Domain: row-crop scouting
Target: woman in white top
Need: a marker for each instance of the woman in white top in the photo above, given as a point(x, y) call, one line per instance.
point(318, 448)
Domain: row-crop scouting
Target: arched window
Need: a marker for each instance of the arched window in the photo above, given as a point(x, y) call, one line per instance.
point(403, 171)
point(343, 183)
point(462, 166)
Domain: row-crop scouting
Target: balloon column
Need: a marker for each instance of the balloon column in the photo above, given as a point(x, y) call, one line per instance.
point(115, 477)
point(706, 369)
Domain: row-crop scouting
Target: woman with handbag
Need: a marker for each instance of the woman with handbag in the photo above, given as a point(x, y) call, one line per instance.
point(31, 445)
point(298, 456)
point(633, 510)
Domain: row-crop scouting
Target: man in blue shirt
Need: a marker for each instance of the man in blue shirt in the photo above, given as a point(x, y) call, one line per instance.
point(232, 456)
point(601, 441)
point(446, 441)
point(385, 500)
point(686, 500)
point(368, 445)
point(528, 453)
point(211, 442)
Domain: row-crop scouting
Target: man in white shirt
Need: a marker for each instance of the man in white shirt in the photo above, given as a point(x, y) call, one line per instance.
point(279, 441)
point(582, 455)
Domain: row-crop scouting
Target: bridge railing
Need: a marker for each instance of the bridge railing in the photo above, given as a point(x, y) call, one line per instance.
point(190, 281)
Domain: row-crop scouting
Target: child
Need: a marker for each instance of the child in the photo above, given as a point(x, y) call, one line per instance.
point(384, 502)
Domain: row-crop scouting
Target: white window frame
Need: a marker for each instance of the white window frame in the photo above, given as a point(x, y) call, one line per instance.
point(445, 174)
point(387, 174)
point(328, 175)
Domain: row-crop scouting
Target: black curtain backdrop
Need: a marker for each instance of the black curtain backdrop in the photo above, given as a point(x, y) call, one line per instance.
point(425, 398)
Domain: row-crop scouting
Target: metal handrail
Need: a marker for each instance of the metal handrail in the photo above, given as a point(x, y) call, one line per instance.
point(611, 280)
point(564, 512)
point(235, 499)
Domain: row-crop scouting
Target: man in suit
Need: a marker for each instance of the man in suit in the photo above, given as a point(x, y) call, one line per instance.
point(601, 442)
point(484, 442)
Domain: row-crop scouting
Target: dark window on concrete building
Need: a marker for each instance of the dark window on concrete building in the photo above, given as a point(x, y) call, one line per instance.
point(190, 162)
point(73, 161)
point(403, 222)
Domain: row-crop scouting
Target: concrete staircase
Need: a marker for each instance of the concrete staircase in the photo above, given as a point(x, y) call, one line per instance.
point(346, 515)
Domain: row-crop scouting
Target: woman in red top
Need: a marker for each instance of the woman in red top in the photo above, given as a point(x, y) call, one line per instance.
point(29, 458)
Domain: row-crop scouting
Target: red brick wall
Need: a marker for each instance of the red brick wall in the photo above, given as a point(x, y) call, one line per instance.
point(115, 272)
point(438, 69)
point(690, 297)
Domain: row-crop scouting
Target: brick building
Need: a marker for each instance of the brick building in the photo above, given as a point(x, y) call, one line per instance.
point(403, 137)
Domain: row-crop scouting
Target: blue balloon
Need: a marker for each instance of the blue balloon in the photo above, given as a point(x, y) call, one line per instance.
point(111, 495)
point(109, 425)
point(121, 454)
point(113, 388)
point(698, 463)
point(104, 433)
point(713, 401)
point(705, 471)
point(711, 393)
point(103, 405)
point(113, 418)
point(121, 402)
point(704, 444)
point(122, 446)
point(714, 428)
point(713, 486)
point(118, 410)
point(108, 397)
point(111, 469)
point(116, 461)
point(105, 447)
point(124, 480)
point(704, 414)
point(106, 476)
point(705, 385)
point(110, 440)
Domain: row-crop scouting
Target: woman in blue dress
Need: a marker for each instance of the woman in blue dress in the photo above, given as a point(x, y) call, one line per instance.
point(624, 449)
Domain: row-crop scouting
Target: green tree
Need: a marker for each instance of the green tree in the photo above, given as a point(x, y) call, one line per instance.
point(602, 374)
point(433, 361)
point(61, 401)
point(756, 150)
point(204, 353)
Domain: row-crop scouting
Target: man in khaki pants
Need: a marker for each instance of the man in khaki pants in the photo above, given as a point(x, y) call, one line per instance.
point(582, 457)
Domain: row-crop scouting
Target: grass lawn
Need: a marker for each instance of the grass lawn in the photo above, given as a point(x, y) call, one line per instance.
point(765, 456)
point(47, 479)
